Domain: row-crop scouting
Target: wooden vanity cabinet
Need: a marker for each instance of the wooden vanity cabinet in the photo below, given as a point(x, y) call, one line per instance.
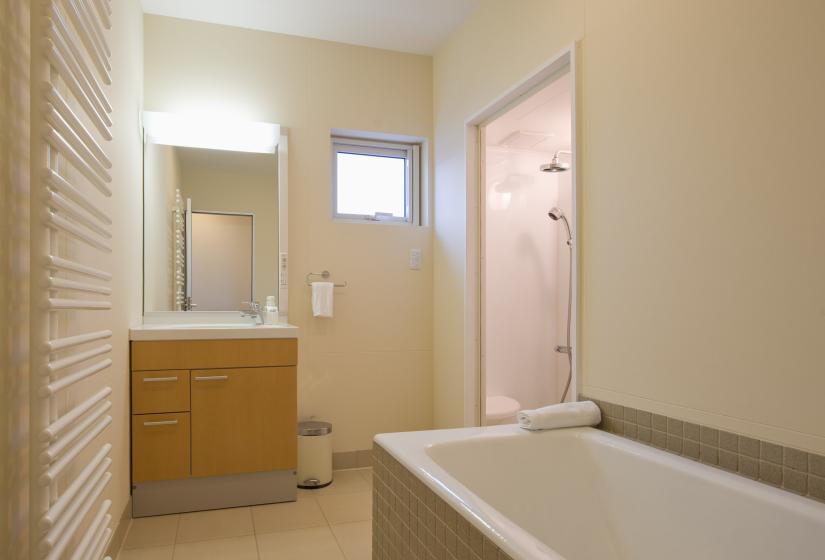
point(213, 408)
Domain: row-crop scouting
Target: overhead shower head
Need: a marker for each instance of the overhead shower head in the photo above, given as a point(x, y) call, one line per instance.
point(555, 166)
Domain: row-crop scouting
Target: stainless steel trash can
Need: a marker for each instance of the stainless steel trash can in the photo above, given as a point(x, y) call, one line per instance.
point(314, 454)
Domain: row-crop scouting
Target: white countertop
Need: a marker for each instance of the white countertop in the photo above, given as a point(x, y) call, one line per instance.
point(206, 326)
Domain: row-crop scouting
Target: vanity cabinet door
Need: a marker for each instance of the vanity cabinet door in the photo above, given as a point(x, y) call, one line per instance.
point(243, 420)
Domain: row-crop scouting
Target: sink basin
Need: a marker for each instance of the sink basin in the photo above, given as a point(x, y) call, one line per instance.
point(208, 326)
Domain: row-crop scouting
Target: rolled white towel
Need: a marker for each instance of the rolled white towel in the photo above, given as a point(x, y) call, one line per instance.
point(565, 415)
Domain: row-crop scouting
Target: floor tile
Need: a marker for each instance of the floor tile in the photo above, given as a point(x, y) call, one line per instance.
point(235, 548)
point(344, 482)
point(366, 474)
point(355, 539)
point(317, 543)
point(215, 524)
point(151, 553)
point(288, 516)
point(152, 531)
point(347, 508)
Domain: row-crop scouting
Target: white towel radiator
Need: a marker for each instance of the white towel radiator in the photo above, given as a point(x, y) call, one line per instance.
point(71, 246)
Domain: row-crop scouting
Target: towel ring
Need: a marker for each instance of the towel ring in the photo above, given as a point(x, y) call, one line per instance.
point(323, 274)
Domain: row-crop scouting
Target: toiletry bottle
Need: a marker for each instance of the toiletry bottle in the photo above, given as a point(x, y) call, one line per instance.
point(270, 311)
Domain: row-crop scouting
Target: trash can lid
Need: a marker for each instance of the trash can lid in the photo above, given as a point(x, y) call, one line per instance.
point(314, 428)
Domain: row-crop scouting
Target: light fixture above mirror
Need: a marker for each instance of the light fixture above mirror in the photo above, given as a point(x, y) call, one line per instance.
point(208, 132)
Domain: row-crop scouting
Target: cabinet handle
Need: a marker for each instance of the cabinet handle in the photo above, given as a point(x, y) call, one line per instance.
point(211, 377)
point(161, 423)
point(159, 379)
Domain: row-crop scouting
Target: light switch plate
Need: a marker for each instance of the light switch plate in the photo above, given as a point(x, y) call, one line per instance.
point(415, 259)
point(282, 270)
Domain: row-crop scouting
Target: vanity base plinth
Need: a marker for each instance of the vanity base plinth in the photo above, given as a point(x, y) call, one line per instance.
point(213, 492)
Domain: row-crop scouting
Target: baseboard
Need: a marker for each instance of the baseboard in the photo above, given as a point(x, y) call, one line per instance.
point(358, 459)
point(116, 542)
point(215, 492)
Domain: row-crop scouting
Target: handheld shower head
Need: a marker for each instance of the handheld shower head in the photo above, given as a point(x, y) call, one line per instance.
point(555, 166)
point(556, 214)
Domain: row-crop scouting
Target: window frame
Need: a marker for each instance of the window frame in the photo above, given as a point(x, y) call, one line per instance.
point(410, 152)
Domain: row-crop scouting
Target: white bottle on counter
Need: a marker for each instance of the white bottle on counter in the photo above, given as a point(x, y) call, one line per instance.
point(270, 311)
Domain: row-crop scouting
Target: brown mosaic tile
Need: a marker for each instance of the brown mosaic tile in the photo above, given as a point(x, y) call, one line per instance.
point(691, 431)
point(816, 465)
point(645, 435)
point(675, 427)
point(674, 444)
point(728, 441)
point(644, 418)
point(728, 460)
point(748, 467)
point(795, 459)
point(770, 452)
point(659, 439)
point(749, 446)
point(709, 436)
point(816, 487)
point(784, 467)
point(660, 422)
point(795, 481)
point(709, 454)
point(770, 473)
point(690, 449)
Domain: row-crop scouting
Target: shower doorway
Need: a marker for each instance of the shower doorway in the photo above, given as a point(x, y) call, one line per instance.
point(522, 183)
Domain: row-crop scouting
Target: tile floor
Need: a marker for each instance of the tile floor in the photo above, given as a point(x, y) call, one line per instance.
point(332, 523)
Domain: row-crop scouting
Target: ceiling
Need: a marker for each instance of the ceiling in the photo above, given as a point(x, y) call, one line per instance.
point(414, 26)
point(540, 122)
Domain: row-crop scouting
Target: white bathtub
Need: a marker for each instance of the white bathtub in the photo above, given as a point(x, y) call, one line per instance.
point(583, 494)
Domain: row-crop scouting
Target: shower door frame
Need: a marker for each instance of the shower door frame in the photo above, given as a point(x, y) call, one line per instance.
point(474, 374)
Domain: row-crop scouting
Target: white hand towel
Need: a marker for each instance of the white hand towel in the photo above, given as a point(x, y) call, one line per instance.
point(322, 299)
point(565, 415)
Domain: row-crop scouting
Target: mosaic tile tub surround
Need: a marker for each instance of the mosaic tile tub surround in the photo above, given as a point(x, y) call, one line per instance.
point(783, 467)
point(410, 521)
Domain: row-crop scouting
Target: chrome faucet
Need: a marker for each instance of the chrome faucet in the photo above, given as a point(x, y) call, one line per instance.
point(254, 309)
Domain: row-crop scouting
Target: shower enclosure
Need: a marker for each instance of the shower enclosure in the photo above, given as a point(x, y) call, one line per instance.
point(526, 227)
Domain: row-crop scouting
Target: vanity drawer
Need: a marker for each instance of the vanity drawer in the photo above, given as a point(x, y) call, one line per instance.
point(208, 354)
point(160, 446)
point(160, 391)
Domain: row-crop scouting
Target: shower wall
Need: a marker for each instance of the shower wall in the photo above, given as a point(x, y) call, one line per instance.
point(525, 295)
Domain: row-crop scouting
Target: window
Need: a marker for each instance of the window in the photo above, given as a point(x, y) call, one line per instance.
point(375, 181)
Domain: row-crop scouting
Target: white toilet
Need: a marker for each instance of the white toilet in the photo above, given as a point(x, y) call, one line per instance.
point(501, 410)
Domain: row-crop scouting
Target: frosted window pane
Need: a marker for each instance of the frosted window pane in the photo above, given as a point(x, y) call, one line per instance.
point(370, 184)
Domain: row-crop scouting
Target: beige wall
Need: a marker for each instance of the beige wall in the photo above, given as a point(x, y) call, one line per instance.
point(700, 202)
point(369, 369)
point(162, 176)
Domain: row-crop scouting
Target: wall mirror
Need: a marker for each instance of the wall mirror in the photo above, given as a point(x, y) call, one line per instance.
point(214, 214)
